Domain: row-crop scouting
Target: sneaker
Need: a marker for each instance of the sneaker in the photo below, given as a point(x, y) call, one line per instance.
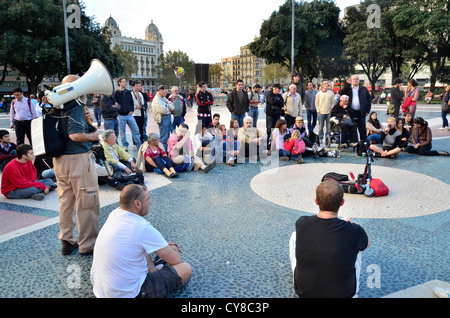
point(353, 144)
point(68, 248)
point(209, 167)
point(443, 153)
point(441, 128)
point(230, 162)
point(442, 292)
point(284, 158)
point(38, 196)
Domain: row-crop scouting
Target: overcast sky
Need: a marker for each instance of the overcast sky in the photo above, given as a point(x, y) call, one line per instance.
point(205, 30)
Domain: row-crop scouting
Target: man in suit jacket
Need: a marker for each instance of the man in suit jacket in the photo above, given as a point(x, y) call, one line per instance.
point(360, 103)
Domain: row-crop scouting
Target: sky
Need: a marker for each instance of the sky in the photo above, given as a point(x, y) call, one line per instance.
point(206, 30)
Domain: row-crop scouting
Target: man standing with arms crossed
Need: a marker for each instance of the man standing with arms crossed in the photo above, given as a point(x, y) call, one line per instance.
point(125, 101)
point(77, 179)
point(204, 101)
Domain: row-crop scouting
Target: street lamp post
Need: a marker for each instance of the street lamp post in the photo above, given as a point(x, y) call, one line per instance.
point(292, 46)
point(67, 38)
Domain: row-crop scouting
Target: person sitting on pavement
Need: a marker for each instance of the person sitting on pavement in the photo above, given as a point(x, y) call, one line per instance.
point(277, 145)
point(118, 158)
point(230, 148)
point(322, 269)
point(404, 133)
point(204, 144)
point(295, 145)
point(251, 140)
point(374, 129)
point(7, 149)
point(390, 139)
point(19, 177)
point(422, 140)
point(122, 266)
point(340, 111)
point(155, 157)
point(181, 151)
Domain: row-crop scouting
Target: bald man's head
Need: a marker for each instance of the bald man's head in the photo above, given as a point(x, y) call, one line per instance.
point(69, 79)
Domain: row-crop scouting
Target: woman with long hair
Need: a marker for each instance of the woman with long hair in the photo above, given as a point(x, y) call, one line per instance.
point(421, 140)
point(374, 128)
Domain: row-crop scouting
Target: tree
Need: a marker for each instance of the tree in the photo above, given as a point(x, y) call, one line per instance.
point(427, 26)
point(215, 73)
point(169, 61)
point(128, 60)
point(272, 73)
point(368, 46)
point(35, 46)
point(318, 37)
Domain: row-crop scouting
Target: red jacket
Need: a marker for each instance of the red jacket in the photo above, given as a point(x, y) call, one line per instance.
point(18, 175)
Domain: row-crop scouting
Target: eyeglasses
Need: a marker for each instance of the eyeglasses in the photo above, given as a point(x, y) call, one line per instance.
point(140, 192)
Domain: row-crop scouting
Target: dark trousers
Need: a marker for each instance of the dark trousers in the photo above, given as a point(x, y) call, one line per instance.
point(360, 121)
point(271, 121)
point(423, 151)
point(140, 123)
point(22, 128)
point(161, 163)
point(290, 121)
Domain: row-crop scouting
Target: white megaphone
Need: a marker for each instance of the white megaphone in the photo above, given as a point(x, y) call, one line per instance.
point(96, 80)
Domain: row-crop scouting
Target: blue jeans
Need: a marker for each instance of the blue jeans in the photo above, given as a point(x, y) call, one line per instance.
point(253, 113)
point(28, 192)
point(177, 121)
point(375, 137)
point(226, 148)
point(240, 118)
point(164, 130)
point(285, 153)
point(129, 120)
point(112, 124)
point(311, 117)
point(444, 119)
point(98, 115)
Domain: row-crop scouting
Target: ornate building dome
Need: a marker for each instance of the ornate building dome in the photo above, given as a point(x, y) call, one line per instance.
point(110, 22)
point(152, 33)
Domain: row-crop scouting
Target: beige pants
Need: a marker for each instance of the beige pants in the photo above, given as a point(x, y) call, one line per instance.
point(78, 186)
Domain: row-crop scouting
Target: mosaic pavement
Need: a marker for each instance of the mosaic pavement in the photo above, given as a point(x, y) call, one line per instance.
point(234, 224)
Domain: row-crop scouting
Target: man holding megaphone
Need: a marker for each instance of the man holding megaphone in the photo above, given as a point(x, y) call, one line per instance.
point(77, 178)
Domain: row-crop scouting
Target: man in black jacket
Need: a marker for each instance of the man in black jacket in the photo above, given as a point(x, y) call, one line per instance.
point(274, 104)
point(125, 100)
point(110, 107)
point(360, 104)
point(300, 87)
point(397, 96)
point(238, 103)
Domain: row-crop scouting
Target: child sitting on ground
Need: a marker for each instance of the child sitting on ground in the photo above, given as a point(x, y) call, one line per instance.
point(295, 145)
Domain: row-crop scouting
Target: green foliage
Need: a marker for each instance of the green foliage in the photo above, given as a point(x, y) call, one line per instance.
point(33, 41)
point(169, 61)
point(318, 38)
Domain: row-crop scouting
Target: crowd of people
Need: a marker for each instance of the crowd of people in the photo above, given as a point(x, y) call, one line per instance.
point(122, 265)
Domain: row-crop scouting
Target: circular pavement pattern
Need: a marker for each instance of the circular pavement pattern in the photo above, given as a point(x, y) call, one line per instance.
point(294, 187)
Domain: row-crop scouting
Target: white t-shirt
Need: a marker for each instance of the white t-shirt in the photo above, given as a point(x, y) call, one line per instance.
point(198, 140)
point(119, 267)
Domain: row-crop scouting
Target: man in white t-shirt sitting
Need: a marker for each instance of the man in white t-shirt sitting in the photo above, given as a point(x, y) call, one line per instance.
point(122, 266)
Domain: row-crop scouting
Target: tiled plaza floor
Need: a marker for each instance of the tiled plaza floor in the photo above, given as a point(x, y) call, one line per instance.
point(234, 223)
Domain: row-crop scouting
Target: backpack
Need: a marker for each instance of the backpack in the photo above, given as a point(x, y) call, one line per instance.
point(48, 139)
point(314, 138)
point(361, 147)
point(342, 179)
